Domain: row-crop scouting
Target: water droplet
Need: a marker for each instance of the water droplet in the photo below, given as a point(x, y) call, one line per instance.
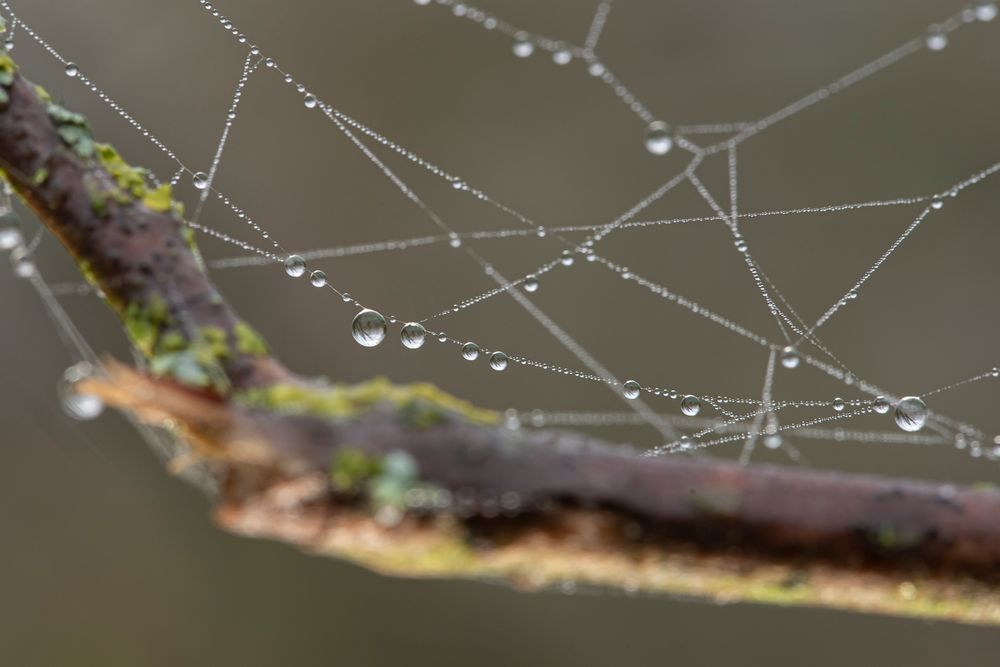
point(310, 101)
point(690, 405)
point(531, 284)
point(413, 335)
point(631, 389)
point(936, 39)
point(790, 357)
point(22, 263)
point(658, 139)
point(72, 70)
point(454, 241)
point(318, 279)
point(10, 235)
point(498, 361)
point(523, 47)
point(986, 11)
point(470, 351)
point(686, 443)
point(911, 413)
point(368, 328)
point(839, 405)
point(201, 180)
point(562, 56)
point(741, 245)
point(596, 69)
point(773, 441)
point(566, 258)
point(422, 2)
point(442, 338)
point(295, 266)
point(78, 406)
point(937, 203)
point(881, 405)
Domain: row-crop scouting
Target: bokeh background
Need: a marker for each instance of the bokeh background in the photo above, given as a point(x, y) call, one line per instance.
point(106, 560)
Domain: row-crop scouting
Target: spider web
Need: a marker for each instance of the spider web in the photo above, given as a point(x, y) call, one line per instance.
point(678, 419)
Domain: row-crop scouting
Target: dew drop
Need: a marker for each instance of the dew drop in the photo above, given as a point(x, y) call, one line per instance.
point(790, 357)
point(72, 70)
point(201, 180)
point(470, 351)
point(531, 284)
point(566, 258)
point(936, 39)
point(498, 361)
point(22, 263)
point(986, 11)
point(368, 328)
point(596, 69)
point(839, 405)
point(937, 203)
point(658, 139)
point(690, 405)
point(773, 441)
point(442, 338)
point(881, 405)
point(78, 406)
point(310, 101)
point(562, 56)
point(295, 266)
point(911, 413)
point(454, 241)
point(10, 235)
point(413, 335)
point(318, 279)
point(422, 2)
point(523, 47)
point(631, 389)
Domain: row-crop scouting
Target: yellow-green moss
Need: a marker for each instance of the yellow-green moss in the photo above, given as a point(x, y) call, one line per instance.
point(249, 341)
point(419, 404)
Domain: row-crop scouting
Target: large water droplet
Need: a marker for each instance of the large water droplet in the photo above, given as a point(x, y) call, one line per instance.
point(498, 361)
point(413, 335)
point(201, 180)
point(295, 266)
point(562, 56)
point(531, 284)
point(470, 351)
point(318, 279)
point(658, 138)
point(690, 405)
point(911, 413)
point(310, 101)
point(790, 357)
point(839, 405)
point(881, 405)
point(78, 406)
point(368, 328)
point(72, 70)
point(631, 389)
point(773, 440)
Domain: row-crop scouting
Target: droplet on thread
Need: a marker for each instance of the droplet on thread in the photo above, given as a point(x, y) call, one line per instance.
point(413, 335)
point(295, 266)
point(368, 328)
point(936, 39)
point(470, 351)
point(690, 405)
point(201, 180)
point(881, 405)
point(790, 357)
point(318, 279)
point(911, 413)
point(79, 406)
point(498, 361)
point(658, 139)
point(72, 70)
point(631, 389)
point(310, 101)
point(839, 405)
point(531, 284)
point(523, 47)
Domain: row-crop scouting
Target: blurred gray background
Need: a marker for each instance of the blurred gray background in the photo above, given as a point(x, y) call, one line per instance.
point(106, 560)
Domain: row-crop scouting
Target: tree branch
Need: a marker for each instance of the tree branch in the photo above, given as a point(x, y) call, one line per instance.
point(411, 481)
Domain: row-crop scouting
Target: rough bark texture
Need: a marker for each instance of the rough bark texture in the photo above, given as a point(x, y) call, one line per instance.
point(322, 466)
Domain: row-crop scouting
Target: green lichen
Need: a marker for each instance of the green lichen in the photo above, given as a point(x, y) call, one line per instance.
point(421, 405)
point(249, 341)
point(351, 469)
point(144, 322)
point(41, 175)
